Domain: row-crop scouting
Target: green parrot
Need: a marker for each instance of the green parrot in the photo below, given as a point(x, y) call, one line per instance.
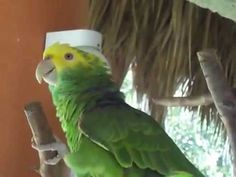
point(106, 137)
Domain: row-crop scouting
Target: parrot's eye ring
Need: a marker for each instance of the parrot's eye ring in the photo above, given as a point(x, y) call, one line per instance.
point(69, 56)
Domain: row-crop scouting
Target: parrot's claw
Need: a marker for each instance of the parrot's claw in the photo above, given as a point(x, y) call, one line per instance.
point(58, 146)
point(54, 160)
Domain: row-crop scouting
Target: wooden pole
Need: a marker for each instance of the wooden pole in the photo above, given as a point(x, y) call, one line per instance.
point(223, 95)
point(42, 134)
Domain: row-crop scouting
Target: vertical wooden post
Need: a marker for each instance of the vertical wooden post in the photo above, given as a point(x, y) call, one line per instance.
point(42, 134)
point(223, 95)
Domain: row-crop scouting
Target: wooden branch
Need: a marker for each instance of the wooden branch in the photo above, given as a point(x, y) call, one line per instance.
point(222, 94)
point(42, 134)
point(202, 100)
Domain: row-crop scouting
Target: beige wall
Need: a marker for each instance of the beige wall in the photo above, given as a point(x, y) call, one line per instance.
point(23, 24)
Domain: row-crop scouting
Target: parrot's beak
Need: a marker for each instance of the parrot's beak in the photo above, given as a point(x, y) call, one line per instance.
point(46, 71)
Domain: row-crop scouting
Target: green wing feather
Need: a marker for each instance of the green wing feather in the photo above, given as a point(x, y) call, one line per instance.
point(134, 137)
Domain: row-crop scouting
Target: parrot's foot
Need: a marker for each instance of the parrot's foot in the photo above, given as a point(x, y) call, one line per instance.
point(58, 146)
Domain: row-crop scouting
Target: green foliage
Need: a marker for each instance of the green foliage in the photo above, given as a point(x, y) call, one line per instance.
point(207, 152)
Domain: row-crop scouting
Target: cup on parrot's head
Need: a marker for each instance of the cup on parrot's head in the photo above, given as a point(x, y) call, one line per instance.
point(76, 38)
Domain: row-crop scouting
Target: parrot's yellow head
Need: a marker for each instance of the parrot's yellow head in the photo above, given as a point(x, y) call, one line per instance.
point(64, 56)
point(59, 57)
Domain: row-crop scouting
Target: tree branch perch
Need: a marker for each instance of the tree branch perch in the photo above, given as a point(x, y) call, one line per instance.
point(202, 100)
point(42, 134)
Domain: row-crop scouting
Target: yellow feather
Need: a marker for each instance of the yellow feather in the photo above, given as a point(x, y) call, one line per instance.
point(57, 52)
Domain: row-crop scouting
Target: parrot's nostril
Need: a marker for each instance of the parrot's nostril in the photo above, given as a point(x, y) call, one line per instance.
point(47, 58)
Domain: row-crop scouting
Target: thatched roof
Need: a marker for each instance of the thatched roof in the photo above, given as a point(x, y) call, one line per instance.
point(160, 38)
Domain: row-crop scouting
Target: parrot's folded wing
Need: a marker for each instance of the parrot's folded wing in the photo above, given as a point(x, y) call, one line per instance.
point(134, 137)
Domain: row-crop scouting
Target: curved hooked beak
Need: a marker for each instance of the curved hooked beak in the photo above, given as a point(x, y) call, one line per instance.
point(46, 71)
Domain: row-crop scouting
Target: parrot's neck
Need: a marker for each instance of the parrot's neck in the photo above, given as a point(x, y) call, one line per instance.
point(79, 91)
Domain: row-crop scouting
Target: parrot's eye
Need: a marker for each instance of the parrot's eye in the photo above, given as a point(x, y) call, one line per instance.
point(69, 56)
